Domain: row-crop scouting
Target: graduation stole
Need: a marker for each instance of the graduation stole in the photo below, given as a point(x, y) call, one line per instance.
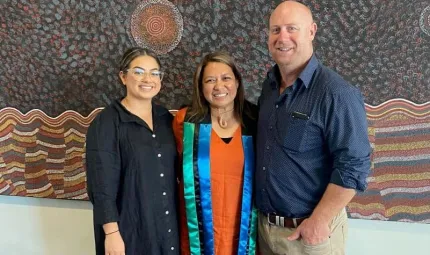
point(197, 191)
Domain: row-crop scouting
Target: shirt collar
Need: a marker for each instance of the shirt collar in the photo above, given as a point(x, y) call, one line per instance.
point(305, 76)
point(126, 116)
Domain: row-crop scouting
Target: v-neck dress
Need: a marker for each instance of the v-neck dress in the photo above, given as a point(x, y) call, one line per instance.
point(226, 181)
point(226, 162)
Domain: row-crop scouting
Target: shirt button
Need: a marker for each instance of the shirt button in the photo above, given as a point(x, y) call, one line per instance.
point(264, 168)
point(263, 190)
point(277, 106)
point(267, 147)
point(164, 193)
point(172, 248)
point(167, 212)
point(159, 155)
point(169, 230)
point(153, 135)
point(161, 175)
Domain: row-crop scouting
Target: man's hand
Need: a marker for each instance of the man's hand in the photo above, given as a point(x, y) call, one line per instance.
point(316, 229)
point(114, 245)
point(312, 232)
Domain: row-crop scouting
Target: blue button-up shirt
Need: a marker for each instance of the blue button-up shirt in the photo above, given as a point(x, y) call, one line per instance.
point(313, 134)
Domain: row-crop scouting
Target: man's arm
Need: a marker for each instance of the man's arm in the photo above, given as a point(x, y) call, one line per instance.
point(348, 143)
point(335, 198)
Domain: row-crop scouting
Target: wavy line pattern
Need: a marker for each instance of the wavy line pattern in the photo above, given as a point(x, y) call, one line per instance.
point(41, 156)
point(399, 185)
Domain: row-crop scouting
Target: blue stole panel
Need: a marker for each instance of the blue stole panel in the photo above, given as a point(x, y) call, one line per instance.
point(248, 225)
point(203, 163)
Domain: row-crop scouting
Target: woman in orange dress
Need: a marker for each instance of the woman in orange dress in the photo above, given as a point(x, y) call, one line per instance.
point(216, 147)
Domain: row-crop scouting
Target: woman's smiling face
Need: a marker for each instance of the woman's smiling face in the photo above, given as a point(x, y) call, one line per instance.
point(219, 85)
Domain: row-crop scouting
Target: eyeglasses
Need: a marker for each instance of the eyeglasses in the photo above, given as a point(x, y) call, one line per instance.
point(138, 74)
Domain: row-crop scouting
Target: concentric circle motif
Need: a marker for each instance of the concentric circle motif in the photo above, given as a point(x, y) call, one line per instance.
point(157, 25)
point(425, 20)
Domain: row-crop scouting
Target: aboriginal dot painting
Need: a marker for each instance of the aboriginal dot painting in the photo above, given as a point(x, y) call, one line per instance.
point(157, 25)
point(59, 69)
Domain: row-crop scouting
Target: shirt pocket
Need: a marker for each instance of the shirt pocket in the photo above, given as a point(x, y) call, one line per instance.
point(291, 133)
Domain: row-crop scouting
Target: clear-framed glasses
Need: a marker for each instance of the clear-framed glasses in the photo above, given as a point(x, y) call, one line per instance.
point(138, 74)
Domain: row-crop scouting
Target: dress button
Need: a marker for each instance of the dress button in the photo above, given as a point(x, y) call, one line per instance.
point(164, 193)
point(153, 135)
point(167, 212)
point(161, 175)
point(159, 155)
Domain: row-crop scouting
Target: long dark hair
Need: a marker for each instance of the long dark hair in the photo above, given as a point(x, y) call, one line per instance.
point(200, 106)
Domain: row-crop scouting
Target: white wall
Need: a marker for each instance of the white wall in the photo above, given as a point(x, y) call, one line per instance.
point(34, 226)
point(370, 237)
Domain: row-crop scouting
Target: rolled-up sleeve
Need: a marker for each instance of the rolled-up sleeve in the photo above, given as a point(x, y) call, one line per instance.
point(348, 139)
point(103, 163)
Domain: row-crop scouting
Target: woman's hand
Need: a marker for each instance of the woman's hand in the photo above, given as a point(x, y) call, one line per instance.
point(114, 245)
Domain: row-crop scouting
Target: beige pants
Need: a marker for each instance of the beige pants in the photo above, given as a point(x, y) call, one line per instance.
point(272, 240)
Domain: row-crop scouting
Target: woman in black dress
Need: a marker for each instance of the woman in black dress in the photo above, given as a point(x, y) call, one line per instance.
point(130, 160)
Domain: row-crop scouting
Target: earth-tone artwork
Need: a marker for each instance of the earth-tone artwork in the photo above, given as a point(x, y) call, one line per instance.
point(58, 70)
point(157, 25)
point(43, 156)
point(399, 185)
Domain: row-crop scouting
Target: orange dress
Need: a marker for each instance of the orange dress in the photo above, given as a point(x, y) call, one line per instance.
point(226, 180)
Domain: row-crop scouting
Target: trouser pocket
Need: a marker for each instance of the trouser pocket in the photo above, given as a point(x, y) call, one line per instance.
point(323, 248)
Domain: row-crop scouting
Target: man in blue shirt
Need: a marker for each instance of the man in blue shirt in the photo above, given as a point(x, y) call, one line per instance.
point(313, 150)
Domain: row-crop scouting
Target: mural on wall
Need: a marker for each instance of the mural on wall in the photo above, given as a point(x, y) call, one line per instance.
point(59, 68)
point(43, 156)
point(157, 25)
point(399, 186)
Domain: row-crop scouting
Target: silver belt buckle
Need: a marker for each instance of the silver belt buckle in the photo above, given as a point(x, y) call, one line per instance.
point(279, 221)
point(268, 220)
point(282, 221)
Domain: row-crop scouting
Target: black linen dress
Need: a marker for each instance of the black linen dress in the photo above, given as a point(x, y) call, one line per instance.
point(131, 179)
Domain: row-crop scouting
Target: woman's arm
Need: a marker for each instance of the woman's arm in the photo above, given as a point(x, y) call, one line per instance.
point(103, 165)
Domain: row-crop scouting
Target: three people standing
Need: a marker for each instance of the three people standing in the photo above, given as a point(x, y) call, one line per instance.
point(312, 154)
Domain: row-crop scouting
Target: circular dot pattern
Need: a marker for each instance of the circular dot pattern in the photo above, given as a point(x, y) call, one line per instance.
point(63, 55)
point(425, 20)
point(157, 25)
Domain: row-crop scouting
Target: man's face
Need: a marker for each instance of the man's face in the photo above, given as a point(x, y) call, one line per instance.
point(291, 33)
